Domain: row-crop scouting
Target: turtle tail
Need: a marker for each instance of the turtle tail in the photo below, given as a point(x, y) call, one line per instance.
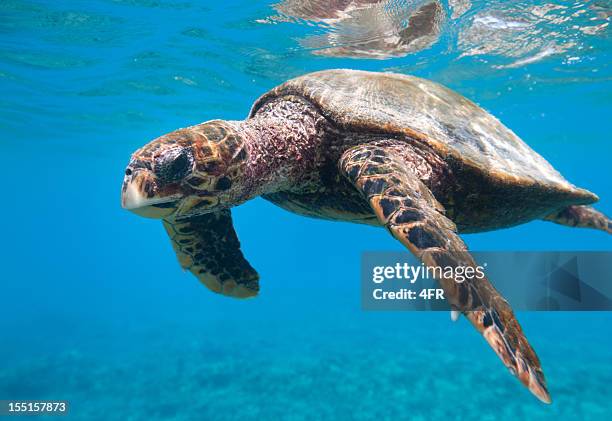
point(581, 216)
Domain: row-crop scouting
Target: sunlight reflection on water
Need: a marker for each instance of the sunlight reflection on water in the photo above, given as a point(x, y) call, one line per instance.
point(523, 32)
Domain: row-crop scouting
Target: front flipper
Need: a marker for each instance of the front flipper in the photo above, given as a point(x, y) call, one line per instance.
point(208, 247)
point(410, 212)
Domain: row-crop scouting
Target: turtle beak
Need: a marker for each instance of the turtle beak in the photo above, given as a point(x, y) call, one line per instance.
point(139, 194)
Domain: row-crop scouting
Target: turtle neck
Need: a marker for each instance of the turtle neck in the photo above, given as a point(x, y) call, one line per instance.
point(283, 143)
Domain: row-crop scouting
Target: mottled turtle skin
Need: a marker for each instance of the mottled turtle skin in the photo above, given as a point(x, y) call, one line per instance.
point(384, 149)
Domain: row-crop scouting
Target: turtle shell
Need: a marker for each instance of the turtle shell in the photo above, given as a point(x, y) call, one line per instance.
point(427, 112)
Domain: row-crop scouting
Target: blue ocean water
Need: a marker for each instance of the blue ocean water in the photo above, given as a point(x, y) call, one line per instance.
point(94, 308)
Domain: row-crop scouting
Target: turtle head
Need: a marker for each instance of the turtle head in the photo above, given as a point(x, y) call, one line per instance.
point(187, 172)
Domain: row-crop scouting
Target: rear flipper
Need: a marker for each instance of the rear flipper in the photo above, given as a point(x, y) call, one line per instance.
point(581, 216)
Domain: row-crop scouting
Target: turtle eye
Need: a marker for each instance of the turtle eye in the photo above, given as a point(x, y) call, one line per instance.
point(173, 165)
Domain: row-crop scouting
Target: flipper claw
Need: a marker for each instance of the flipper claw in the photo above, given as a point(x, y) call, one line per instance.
point(454, 314)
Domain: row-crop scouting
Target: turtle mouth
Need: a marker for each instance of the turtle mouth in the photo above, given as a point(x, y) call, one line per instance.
point(157, 210)
point(166, 205)
point(139, 195)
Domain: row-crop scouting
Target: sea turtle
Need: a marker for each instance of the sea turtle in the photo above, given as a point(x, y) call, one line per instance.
point(376, 148)
point(367, 28)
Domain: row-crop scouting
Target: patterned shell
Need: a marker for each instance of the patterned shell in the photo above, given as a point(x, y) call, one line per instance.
point(452, 125)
